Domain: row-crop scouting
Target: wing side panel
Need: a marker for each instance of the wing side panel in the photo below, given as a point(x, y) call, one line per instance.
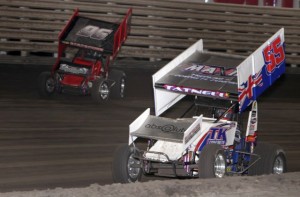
point(261, 69)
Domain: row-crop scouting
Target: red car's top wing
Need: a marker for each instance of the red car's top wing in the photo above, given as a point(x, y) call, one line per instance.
point(95, 34)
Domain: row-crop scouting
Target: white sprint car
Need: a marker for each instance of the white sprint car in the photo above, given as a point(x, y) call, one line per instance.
point(213, 142)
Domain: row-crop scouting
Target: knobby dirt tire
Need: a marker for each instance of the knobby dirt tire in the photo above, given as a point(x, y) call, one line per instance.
point(207, 159)
point(268, 154)
point(45, 89)
point(118, 91)
point(120, 168)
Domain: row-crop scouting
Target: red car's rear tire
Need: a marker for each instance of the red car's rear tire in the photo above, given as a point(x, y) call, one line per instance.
point(119, 88)
point(100, 90)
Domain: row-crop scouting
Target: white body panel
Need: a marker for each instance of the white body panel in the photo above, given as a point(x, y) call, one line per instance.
point(165, 99)
point(172, 149)
point(137, 124)
point(175, 150)
point(191, 134)
point(201, 130)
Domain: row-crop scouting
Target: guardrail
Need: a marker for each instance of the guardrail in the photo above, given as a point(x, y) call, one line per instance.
point(160, 29)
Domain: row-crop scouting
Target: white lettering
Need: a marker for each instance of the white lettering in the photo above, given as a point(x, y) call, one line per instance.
point(211, 70)
point(195, 67)
point(196, 91)
point(208, 70)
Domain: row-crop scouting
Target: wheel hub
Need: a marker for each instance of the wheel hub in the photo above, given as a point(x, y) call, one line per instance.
point(220, 166)
point(104, 91)
point(50, 85)
point(133, 171)
point(278, 167)
point(122, 89)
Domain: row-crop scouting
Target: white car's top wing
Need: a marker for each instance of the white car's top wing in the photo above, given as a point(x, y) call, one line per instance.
point(221, 76)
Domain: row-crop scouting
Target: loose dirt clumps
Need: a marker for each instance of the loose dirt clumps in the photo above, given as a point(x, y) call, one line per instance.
point(268, 186)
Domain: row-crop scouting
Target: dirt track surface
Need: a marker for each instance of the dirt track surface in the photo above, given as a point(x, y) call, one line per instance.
point(68, 141)
point(262, 186)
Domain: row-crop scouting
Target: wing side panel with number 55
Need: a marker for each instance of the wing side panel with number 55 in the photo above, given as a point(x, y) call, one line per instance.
point(261, 69)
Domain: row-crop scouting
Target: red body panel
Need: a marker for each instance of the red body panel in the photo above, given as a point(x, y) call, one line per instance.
point(83, 62)
point(72, 80)
point(252, 2)
point(121, 34)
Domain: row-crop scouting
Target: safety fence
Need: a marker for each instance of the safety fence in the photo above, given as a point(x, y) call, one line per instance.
point(160, 30)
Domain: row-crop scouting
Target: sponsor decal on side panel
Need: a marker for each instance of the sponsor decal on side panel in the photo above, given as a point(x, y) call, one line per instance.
point(192, 133)
point(247, 90)
point(215, 135)
point(195, 91)
point(94, 32)
point(274, 65)
point(210, 70)
point(274, 55)
point(217, 79)
point(84, 46)
point(165, 128)
point(217, 74)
